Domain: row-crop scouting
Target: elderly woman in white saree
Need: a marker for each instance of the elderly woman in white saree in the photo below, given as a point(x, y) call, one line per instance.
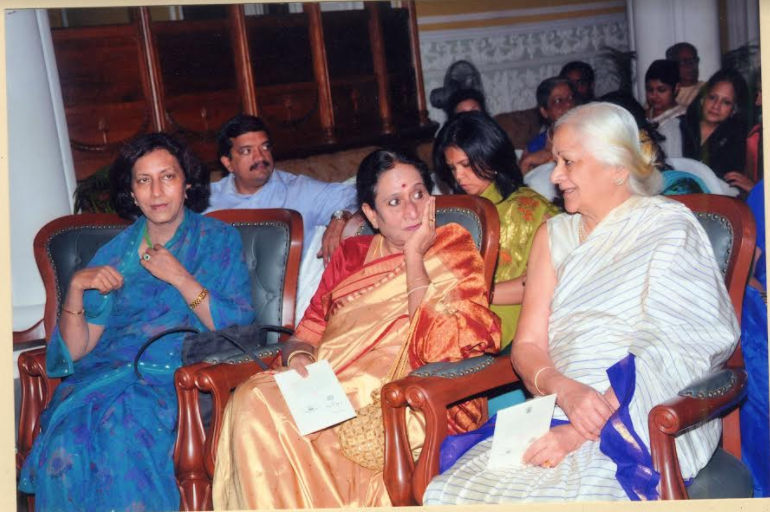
point(624, 306)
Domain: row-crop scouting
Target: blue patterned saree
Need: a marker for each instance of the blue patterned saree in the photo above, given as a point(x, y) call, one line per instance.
point(107, 438)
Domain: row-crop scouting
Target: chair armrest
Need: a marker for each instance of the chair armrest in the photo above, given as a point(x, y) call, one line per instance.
point(700, 401)
point(195, 448)
point(37, 388)
point(220, 380)
point(431, 390)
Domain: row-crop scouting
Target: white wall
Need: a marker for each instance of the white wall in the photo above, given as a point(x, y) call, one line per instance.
point(658, 24)
point(42, 176)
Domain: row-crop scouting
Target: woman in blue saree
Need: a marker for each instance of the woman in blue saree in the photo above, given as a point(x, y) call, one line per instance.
point(755, 439)
point(107, 438)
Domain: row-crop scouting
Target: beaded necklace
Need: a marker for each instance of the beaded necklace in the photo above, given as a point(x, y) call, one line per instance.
point(582, 231)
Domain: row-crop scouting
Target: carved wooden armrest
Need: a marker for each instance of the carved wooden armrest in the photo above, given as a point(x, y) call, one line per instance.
point(700, 401)
point(220, 380)
point(431, 390)
point(194, 451)
point(36, 391)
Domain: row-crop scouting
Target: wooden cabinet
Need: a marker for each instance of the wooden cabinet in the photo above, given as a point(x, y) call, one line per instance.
point(321, 80)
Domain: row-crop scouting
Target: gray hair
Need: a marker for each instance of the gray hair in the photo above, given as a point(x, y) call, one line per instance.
point(612, 137)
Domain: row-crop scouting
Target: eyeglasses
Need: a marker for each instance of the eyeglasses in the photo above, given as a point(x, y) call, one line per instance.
point(692, 61)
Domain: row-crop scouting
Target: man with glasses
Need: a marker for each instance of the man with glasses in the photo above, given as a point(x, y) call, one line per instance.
point(686, 56)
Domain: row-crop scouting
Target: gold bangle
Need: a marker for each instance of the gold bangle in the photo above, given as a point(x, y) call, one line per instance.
point(297, 352)
point(197, 302)
point(415, 289)
point(76, 313)
point(537, 374)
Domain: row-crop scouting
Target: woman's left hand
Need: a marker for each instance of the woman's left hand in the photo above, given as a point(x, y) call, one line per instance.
point(739, 180)
point(163, 265)
point(423, 238)
point(549, 450)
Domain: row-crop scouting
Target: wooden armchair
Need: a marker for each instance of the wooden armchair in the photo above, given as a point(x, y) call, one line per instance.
point(730, 227)
point(274, 270)
point(195, 466)
point(61, 247)
point(67, 244)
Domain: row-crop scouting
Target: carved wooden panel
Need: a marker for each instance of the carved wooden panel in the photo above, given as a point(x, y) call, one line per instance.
point(102, 90)
point(401, 72)
point(356, 106)
point(321, 80)
point(280, 49)
point(199, 80)
point(292, 114)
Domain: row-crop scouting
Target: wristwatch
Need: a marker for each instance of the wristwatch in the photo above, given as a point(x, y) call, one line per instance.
point(341, 215)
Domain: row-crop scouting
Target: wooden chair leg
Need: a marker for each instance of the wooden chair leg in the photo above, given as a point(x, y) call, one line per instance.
point(192, 480)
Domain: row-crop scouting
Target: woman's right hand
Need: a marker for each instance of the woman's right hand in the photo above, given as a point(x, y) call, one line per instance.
point(425, 236)
point(587, 409)
point(104, 278)
point(737, 179)
point(299, 362)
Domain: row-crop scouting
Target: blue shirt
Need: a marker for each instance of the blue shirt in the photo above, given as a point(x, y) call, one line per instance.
point(537, 143)
point(314, 200)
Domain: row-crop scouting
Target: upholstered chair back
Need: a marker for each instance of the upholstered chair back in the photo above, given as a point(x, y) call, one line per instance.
point(66, 245)
point(476, 214)
point(720, 233)
point(272, 246)
point(272, 241)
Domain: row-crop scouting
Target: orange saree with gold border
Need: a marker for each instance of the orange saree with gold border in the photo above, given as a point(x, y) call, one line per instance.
point(358, 321)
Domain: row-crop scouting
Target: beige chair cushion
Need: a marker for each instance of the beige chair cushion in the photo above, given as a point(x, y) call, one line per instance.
point(522, 125)
point(332, 167)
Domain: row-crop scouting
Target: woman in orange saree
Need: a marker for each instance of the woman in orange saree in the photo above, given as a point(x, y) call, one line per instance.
point(411, 283)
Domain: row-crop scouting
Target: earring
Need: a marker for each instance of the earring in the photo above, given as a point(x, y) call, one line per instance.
point(619, 181)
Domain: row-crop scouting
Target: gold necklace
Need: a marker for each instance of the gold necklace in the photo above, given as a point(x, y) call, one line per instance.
point(379, 248)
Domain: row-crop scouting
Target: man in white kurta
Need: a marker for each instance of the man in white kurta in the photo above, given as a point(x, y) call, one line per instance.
point(641, 306)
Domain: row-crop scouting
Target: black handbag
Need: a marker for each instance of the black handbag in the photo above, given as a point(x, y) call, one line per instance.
point(224, 345)
point(219, 346)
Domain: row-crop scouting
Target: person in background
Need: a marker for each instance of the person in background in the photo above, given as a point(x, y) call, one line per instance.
point(474, 155)
point(555, 97)
point(661, 86)
point(686, 57)
point(106, 438)
point(714, 128)
point(755, 436)
point(581, 74)
point(680, 175)
point(465, 100)
point(245, 152)
point(625, 305)
point(754, 154)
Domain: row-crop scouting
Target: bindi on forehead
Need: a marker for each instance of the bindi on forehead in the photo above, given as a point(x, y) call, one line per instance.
point(403, 185)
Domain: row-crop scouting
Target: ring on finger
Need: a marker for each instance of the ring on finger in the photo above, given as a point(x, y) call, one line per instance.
point(547, 464)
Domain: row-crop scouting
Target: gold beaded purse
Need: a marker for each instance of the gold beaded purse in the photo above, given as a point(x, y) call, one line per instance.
point(362, 439)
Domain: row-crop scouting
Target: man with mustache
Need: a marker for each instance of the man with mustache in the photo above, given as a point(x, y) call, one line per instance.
point(245, 151)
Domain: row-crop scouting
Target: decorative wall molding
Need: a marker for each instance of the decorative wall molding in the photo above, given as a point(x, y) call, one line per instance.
point(515, 13)
point(514, 59)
